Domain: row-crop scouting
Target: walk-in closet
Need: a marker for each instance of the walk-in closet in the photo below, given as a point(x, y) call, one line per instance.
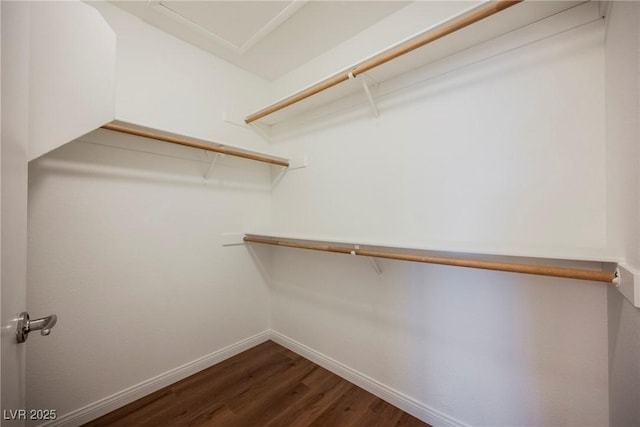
point(320, 213)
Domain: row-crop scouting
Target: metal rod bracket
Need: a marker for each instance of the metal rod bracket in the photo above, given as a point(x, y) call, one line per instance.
point(372, 261)
point(212, 164)
point(279, 177)
point(367, 92)
point(376, 266)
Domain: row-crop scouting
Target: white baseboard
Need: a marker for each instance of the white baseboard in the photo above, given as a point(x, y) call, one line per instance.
point(396, 398)
point(124, 397)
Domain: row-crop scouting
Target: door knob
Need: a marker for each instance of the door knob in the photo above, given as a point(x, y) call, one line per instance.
point(25, 325)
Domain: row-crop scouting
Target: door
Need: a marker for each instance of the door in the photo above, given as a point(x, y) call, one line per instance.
point(14, 110)
point(47, 101)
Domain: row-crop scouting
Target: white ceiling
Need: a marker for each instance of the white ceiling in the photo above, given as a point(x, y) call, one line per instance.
point(268, 38)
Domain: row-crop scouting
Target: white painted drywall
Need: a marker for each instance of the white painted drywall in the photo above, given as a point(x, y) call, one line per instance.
point(515, 162)
point(622, 46)
point(124, 244)
point(189, 96)
point(623, 129)
point(405, 23)
point(72, 79)
point(507, 153)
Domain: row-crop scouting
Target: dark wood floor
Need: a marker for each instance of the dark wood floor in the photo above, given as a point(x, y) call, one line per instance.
point(266, 386)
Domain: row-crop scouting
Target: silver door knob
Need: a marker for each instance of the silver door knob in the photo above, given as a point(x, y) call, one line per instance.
point(25, 325)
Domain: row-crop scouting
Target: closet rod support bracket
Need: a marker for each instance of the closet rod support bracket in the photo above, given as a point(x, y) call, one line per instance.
point(216, 156)
point(367, 92)
point(372, 261)
point(296, 162)
point(376, 266)
point(278, 177)
point(232, 239)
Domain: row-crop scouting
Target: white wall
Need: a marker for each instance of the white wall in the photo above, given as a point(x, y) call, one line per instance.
point(452, 142)
point(406, 22)
point(525, 173)
point(623, 129)
point(623, 190)
point(508, 153)
point(71, 73)
point(124, 245)
point(188, 96)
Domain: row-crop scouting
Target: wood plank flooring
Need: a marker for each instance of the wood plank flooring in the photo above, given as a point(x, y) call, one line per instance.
point(268, 386)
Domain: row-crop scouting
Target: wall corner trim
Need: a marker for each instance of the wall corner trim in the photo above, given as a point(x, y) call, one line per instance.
point(628, 283)
point(402, 401)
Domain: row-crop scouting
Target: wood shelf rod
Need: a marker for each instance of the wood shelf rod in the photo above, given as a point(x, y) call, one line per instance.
point(404, 48)
point(194, 144)
point(571, 273)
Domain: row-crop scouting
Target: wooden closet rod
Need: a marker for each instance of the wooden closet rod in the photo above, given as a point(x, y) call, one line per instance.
point(406, 47)
point(194, 144)
point(598, 276)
